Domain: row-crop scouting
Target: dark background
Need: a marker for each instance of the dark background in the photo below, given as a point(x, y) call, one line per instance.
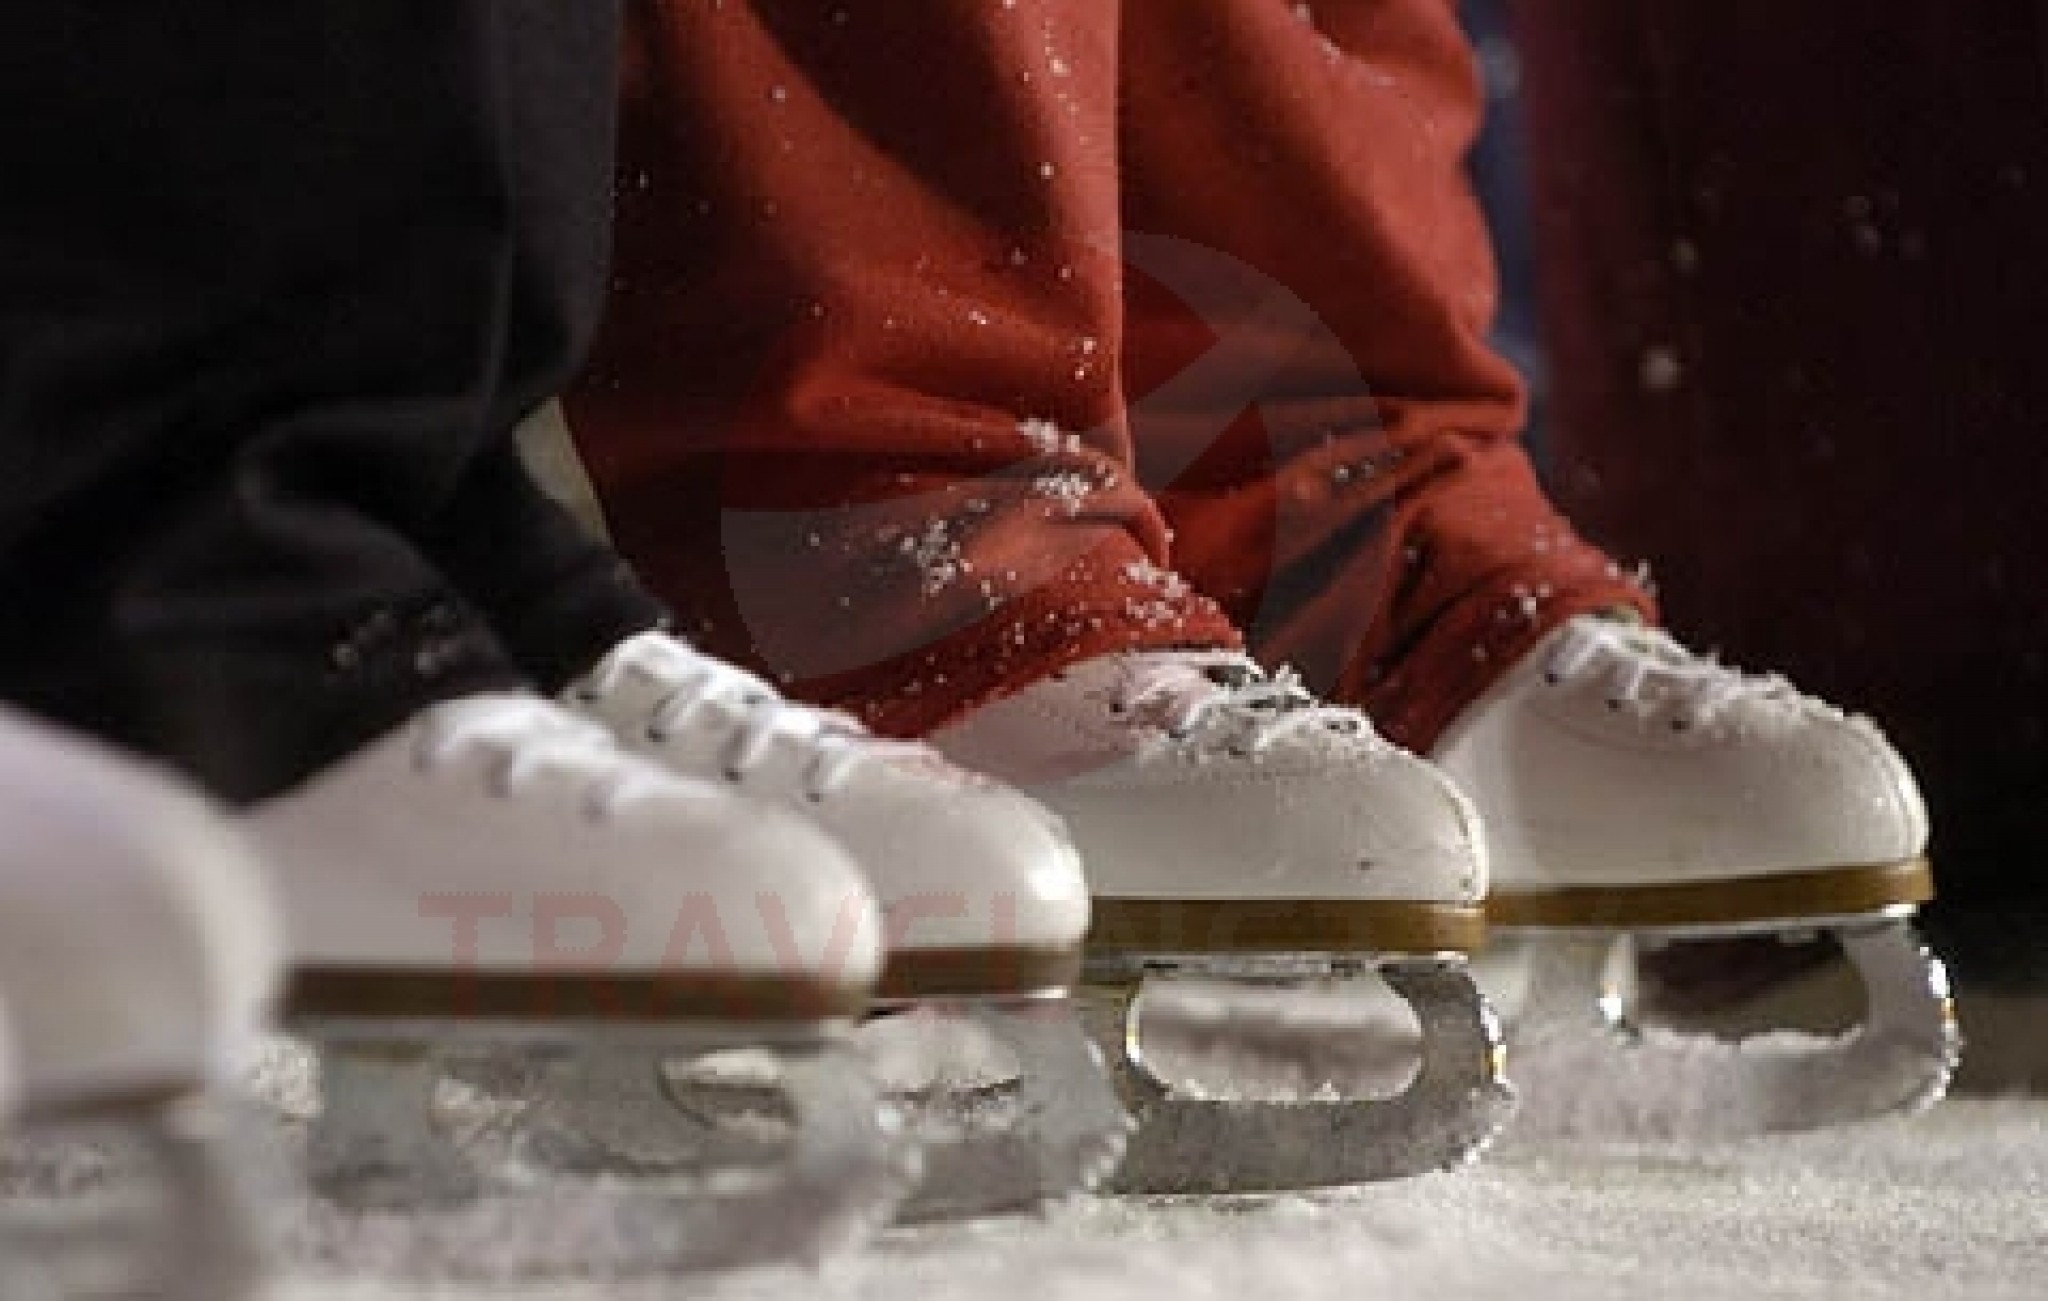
point(1786, 267)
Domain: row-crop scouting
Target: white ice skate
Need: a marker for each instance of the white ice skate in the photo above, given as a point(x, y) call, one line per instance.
point(497, 874)
point(20, 1278)
point(1632, 788)
point(986, 904)
point(1234, 827)
point(139, 955)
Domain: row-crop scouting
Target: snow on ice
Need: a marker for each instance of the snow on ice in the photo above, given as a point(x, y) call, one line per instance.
point(1584, 1205)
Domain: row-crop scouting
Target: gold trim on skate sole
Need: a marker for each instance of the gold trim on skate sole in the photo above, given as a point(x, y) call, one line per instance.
point(978, 972)
point(1250, 926)
point(1779, 897)
point(117, 1104)
point(435, 994)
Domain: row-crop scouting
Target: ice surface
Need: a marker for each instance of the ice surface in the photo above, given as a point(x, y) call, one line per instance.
point(1947, 1205)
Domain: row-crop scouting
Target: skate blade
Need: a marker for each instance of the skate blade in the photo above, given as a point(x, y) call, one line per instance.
point(1580, 1025)
point(1456, 1101)
point(1049, 1130)
point(169, 1202)
point(585, 1165)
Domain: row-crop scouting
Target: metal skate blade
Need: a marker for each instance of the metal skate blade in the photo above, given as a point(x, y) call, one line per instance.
point(1055, 1128)
point(179, 1210)
point(21, 1281)
point(1454, 1103)
point(1008, 1103)
point(589, 1166)
point(1587, 1067)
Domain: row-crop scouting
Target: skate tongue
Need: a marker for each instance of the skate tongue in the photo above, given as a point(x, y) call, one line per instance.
point(673, 676)
point(1232, 676)
point(1705, 683)
point(1240, 678)
point(1188, 689)
point(665, 660)
point(1626, 628)
point(1192, 672)
point(1659, 646)
point(666, 664)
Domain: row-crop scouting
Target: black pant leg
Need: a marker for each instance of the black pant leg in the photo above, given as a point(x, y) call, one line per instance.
point(559, 599)
point(260, 265)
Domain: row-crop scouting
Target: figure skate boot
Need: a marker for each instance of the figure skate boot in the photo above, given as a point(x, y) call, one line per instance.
point(985, 901)
point(497, 881)
point(139, 957)
point(1634, 789)
point(1235, 827)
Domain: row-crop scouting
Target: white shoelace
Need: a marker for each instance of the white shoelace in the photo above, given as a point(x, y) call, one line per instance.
point(1228, 700)
point(1696, 687)
point(530, 737)
point(836, 743)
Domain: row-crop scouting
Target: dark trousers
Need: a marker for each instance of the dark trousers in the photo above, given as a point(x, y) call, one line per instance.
point(277, 279)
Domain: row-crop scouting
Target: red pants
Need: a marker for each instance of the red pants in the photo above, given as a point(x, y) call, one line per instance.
point(952, 341)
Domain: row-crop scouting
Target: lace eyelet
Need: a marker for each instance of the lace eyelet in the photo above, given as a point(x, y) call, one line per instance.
point(1681, 724)
point(657, 735)
point(1614, 704)
point(734, 775)
point(1552, 677)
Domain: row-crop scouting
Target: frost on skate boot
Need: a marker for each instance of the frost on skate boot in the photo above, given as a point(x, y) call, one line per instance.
point(497, 892)
point(986, 906)
point(138, 959)
point(1235, 827)
point(1634, 789)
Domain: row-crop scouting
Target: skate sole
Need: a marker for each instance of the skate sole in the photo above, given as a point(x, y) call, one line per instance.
point(1252, 926)
point(1824, 893)
point(973, 974)
point(112, 1105)
point(317, 994)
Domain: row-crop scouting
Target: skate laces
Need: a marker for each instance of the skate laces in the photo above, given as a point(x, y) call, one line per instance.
point(694, 683)
point(530, 738)
point(1228, 700)
point(1696, 686)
